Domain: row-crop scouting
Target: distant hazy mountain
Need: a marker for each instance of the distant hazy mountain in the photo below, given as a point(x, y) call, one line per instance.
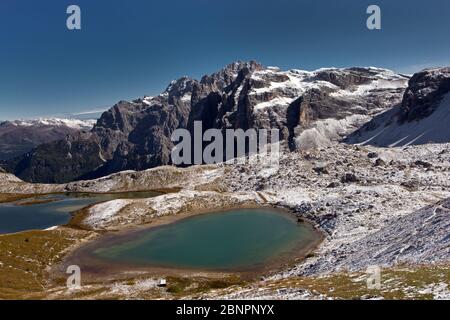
point(310, 109)
point(422, 117)
point(20, 136)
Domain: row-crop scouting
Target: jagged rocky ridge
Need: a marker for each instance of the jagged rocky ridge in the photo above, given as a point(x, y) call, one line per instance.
point(423, 116)
point(309, 108)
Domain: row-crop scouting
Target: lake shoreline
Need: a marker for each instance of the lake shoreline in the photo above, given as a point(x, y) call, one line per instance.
point(42, 211)
point(103, 270)
point(56, 272)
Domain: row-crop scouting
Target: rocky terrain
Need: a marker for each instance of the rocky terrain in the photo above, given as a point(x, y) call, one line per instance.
point(422, 117)
point(378, 204)
point(352, 193)
point(166, 177)
point(310, 109)
point(21, 136)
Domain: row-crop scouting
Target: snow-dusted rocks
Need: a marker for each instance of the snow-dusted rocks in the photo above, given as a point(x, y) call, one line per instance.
point(104, 214)
point(388, 185)
point(165, 177)
point(420, 237)
point(422, 117)
point(314, 108)
point(117, 214)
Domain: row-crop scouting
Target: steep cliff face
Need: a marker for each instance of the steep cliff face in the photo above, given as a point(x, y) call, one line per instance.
point(309, 108)
point(325, 104)
point(424, 94)
point(314, 108)
point(422, 117)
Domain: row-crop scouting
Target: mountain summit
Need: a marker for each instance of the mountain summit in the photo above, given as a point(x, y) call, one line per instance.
point(310, 108)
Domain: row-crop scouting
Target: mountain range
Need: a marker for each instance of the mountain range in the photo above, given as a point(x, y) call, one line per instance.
point(310, 108)
point(21, 136)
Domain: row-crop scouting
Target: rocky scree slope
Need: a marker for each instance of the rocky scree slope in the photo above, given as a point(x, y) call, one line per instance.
point(375, 205)
point(421, 237)
point(309, 108)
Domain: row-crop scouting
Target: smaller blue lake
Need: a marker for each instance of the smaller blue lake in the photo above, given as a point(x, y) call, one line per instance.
point(46, 211)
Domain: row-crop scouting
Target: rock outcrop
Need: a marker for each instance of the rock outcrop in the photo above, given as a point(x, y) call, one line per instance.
point(425, 92)
point(422, 117)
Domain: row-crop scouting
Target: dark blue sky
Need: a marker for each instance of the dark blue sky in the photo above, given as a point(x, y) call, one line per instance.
point(127, 49)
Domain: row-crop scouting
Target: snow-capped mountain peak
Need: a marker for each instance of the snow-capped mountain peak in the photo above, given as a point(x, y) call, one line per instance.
point(17, 137)
point(309, 108)
point(58, 122)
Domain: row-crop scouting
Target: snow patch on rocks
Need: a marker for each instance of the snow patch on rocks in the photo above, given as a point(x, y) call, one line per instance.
point(102, 213)
point(117, 214)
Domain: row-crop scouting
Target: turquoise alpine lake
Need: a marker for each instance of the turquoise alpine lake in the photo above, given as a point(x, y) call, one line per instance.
point(231, 240)
point(42, 212)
